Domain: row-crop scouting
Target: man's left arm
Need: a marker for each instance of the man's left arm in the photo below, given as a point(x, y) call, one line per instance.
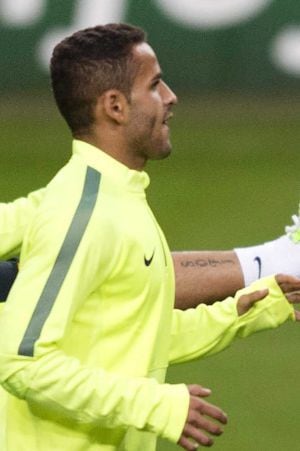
point(206, 330)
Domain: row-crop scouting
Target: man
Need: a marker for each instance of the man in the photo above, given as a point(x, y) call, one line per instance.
point(201, 276)
point(89, 327)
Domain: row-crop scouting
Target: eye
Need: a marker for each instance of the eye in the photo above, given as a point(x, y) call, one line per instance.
point(155, 84)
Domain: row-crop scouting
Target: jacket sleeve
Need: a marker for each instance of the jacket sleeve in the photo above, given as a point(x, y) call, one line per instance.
point(14, 219)
point(206, 330)
point(36, 317)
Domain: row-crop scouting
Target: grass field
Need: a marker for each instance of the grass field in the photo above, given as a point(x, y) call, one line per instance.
point(233, 179)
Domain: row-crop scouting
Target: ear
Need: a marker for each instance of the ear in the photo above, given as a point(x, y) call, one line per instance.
point(115, 106)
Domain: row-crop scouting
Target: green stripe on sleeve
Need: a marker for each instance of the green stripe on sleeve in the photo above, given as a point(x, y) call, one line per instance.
point(63, 262)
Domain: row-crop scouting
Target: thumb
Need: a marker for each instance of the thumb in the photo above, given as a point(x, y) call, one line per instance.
point(246, 301)
point(297, 315)
point(198, 390)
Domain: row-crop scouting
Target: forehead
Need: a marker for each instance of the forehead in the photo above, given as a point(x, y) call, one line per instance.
point(146, 59)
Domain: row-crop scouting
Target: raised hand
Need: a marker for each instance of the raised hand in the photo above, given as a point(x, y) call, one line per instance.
point(198, 427)
point(289, 285)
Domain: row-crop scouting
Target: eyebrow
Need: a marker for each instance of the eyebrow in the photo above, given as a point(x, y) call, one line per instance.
point(156, 77)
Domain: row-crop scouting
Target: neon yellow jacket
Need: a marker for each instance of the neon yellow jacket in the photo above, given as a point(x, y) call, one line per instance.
point(89, 328)
point(15, 217)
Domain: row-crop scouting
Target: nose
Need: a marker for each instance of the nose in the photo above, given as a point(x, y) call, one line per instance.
point(170, 97)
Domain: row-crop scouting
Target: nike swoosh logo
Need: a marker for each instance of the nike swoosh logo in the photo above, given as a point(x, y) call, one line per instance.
point(148, 261)
point(258, 260)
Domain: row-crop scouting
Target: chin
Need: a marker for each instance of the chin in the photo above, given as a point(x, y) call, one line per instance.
point(161, 154)
point(166, 152)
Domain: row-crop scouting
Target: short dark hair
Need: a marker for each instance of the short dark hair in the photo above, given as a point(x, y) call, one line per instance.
point(88, 63)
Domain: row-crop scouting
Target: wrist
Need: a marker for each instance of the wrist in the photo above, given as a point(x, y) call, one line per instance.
point(278, 256)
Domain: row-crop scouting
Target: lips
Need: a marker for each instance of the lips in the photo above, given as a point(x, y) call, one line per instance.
point(167, 117)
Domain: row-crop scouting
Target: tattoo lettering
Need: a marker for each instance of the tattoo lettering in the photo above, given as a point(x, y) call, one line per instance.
point(202, 263)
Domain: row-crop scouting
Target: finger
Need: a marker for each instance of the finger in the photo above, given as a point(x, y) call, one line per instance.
point(196, 437)
point(201, 422)
point(297, 315)
point(205, 408)
point(187, 444)
point(198, 390)
point(246, 301)
point(287, 283)
point(294, 297)
point(286, 278)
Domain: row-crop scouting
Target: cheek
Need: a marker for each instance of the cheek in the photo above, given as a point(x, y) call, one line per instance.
point(145, 122)
point(146, 119)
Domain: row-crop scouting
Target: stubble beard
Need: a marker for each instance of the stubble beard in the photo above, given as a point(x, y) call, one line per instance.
point(154, 144)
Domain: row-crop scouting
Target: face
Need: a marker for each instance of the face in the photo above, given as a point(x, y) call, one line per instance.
point(150, 106)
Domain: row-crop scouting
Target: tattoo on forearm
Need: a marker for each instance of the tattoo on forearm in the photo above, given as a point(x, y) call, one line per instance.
point(204, 262)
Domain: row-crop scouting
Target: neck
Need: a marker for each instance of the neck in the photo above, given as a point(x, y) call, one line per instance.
point(116, 148)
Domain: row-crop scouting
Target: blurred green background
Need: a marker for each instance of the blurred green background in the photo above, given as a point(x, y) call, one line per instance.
point(233, 176)
point(232, 179)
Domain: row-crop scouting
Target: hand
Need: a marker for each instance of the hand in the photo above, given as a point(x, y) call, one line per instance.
point(197, 424)
point(289, 285)
point(246, 301)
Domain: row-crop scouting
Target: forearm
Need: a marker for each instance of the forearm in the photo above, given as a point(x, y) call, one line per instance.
point(205, 276)
point(60, 386)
